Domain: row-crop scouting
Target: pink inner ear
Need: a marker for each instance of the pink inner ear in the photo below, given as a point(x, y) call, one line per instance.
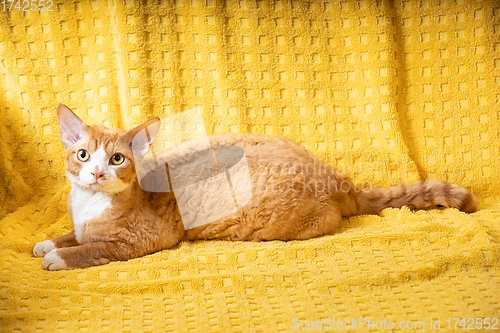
point(70, 125)
point(140, 143)
point(68, 138)
point(144, 136)
point(72, 132)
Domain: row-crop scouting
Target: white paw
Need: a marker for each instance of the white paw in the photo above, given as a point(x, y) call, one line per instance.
point(53, 262)
point(42, 248)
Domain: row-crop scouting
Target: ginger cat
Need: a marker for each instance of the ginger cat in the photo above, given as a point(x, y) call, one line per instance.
point(115, 219)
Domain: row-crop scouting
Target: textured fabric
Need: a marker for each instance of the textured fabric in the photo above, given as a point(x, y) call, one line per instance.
point(386, 91)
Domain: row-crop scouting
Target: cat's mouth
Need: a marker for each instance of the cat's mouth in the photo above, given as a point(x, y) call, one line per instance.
point(107, 185)
point(98, 182)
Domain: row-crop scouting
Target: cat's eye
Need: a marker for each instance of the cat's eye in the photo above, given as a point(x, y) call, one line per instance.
point(83, 155)
point(117, 159)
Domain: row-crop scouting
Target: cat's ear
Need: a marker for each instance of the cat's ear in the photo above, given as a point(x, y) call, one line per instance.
point(70, 126)
point(141, 137)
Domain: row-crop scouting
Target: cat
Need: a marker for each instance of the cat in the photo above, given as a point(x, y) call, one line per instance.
point(115, 219)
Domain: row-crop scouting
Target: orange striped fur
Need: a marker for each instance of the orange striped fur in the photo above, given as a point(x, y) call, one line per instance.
point(115, 219)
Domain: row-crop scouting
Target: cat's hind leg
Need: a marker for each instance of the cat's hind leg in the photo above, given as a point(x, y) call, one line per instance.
point(314, 224)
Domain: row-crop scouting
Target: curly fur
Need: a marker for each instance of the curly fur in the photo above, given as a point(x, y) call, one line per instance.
point(295, 195)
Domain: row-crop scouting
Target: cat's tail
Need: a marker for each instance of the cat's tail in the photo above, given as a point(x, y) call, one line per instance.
point(419, 195)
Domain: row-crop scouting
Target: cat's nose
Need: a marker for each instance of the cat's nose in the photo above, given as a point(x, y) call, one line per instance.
point(97, 174)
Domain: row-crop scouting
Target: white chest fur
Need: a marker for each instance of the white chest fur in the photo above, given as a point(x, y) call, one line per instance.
point(85, 206)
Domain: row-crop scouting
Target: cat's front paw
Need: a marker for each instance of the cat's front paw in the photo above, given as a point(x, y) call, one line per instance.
point(42, 248)
point(53, 262)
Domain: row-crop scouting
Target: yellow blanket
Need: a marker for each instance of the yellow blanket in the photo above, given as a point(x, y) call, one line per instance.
point(386, 91)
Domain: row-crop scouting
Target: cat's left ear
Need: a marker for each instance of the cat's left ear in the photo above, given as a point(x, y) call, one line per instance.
point(71, 127)
point(141, 137)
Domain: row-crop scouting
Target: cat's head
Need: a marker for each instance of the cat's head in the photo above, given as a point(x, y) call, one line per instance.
point(99, 158)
